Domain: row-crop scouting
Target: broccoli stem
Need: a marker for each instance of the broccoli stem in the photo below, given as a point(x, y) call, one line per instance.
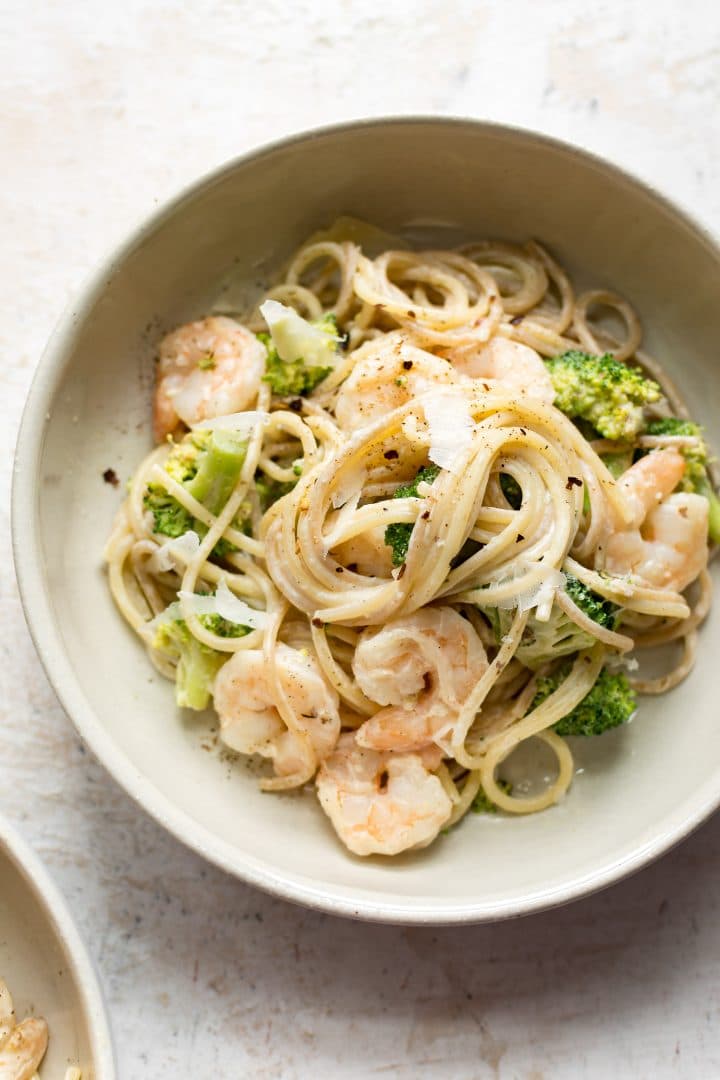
point(196, 671)
point(218, 470)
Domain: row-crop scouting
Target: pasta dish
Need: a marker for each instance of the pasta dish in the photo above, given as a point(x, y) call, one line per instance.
point(415, 510)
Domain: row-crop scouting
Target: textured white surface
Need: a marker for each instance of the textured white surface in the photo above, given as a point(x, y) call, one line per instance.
point(106, 110)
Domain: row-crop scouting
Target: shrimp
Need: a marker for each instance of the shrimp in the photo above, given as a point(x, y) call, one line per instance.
point(665, 544)
point(387, 376)
point(22, 1050)
point(646, 483)
point(250, 721)
point(509, 364)
point(367, 553)
point(7, 1012)
point(205, 369)
point(381, 803)
point(421, 667)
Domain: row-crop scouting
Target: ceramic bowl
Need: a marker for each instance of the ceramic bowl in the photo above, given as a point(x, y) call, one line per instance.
point(45, 966)
point(641, 788)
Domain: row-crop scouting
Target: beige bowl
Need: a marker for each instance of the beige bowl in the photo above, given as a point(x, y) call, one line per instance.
point(45, 965)
point(641, 789)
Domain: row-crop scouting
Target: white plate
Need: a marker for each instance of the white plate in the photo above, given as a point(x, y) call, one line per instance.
point(642, 789)
point(46, 967)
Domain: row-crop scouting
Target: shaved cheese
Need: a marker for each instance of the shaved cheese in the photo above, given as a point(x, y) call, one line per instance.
point(172, 613)
point(349, 487)
point(451, 428)
point(297, 339)
point(225, 604)
point(179, 550)
point(242, 422)
point(539, 596)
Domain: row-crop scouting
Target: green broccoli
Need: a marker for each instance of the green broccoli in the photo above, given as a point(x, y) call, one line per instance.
point(696, 478)
point(207, 463)
point(559, 636)
point(197, 663)
point(169, 516)
point(300, 354)
point(511, 490)
point(481, 804)
point(602, 391)
point(609, 703)
point(397, 536)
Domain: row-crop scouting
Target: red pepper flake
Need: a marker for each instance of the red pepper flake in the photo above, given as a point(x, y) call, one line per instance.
point(111, 477)
point(390, 455)
point(401, 571)
point(317, 622)
point(573, 481)
point(425, 515)
point(411, 315)
point(339, 569)
point(407, 364)
point(519, 538)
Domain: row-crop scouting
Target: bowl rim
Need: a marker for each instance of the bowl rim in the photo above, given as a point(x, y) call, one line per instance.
point(57, 913)
point(47, 640)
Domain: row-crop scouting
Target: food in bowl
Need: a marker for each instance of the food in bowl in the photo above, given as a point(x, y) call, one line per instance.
point(414, 510)
point(23, 1043)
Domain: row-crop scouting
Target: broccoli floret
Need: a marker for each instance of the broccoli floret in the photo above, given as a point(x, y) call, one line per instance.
point(300, 354)
point(397, 536)
point(292, 378)
point(596, 607)
point(511, 490)
point(208, 464)
point(696, 478)
point(481, 804)
point(559, 636)
point(609, 703)
point(197, 663)
point(169, 517)
point(216, 624)
point(602, 391)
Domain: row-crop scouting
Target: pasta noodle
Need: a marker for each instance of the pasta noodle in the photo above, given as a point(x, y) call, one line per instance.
point(421, 498)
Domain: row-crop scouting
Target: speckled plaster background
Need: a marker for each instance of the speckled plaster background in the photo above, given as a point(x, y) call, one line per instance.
point(105, 110)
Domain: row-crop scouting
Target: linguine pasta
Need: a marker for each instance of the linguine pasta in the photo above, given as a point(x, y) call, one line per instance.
point(419, 500)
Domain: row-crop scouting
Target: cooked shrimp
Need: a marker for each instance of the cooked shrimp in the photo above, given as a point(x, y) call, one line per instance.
point(508, 363)
point(367, 553)
point(381, 804)
point(7, 1012)
point(666, 545)
point(205, 369)
point(387, 376)
point(23, 1050)
point(249, 718)
point(646, 483)
point(670, 550)
point(422, 668)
